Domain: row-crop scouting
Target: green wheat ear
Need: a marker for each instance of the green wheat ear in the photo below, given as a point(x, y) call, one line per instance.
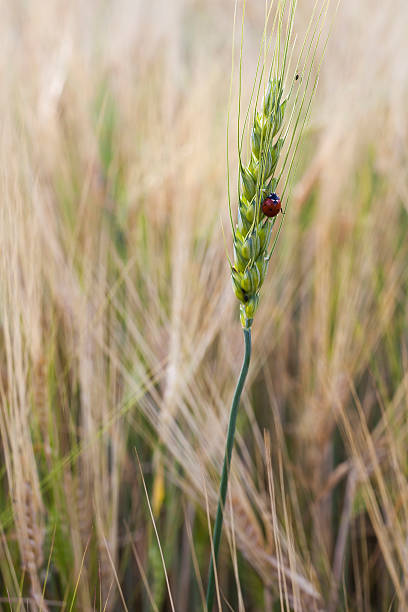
point(253, 230)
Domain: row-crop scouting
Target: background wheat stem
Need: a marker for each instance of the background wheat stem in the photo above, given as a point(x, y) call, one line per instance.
point(225, 469)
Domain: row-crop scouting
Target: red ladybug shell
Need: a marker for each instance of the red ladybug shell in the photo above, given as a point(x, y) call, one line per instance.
point(271, 205)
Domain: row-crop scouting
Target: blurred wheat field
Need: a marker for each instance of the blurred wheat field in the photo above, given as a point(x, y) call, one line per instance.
point(119, 332)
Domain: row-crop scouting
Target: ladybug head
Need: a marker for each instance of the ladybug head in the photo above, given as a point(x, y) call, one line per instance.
point(274, 197)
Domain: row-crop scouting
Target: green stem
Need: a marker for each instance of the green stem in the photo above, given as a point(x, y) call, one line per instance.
point(225, 469)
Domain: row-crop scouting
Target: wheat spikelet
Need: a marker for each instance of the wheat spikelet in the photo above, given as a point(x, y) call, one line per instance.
point(31, 536)
point(252, 233)
point(32, 544)
point(40, 397)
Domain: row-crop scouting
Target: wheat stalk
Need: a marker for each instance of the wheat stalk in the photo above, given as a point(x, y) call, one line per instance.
point(258, 204)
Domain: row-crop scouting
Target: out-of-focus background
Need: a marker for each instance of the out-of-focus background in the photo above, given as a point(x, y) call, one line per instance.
point(119, 334)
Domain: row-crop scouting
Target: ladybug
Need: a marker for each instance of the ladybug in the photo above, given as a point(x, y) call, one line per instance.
point(271, 205)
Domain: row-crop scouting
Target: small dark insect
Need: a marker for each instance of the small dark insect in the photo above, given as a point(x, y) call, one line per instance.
point(296, 77)
point(271, 205)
